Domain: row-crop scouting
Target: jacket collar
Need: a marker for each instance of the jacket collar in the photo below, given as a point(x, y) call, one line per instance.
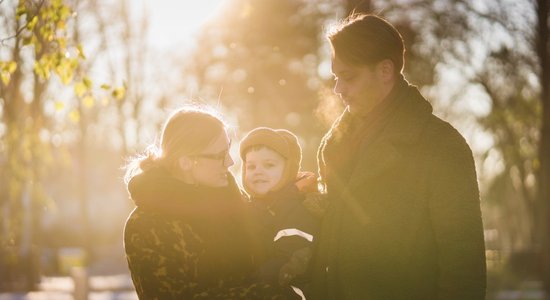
point(404, 129)
point(156, 190)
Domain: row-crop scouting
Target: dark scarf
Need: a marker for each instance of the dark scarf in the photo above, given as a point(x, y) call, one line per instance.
point(339, 147)
point(219, 215)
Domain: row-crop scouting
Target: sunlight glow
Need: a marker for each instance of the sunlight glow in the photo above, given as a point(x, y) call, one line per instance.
point(174, 23)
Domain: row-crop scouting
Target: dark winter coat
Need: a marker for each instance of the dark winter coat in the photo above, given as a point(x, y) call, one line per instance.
point(404, 218)
point(278, 211)
point(189, 242)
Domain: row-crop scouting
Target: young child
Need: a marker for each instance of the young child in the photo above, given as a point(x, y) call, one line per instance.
point(271, 176)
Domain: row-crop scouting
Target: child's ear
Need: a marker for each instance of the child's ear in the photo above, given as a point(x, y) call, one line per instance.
point(185, 163)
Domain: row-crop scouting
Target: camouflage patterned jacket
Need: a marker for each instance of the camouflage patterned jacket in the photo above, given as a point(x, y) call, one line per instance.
point(187, 242)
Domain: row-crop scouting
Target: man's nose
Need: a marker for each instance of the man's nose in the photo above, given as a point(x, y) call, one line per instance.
point(339, 88)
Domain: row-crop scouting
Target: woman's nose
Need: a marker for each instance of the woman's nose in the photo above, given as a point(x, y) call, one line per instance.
point(228, 160)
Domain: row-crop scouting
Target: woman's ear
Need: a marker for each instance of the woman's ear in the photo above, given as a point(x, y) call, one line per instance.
point(184, 169)
point(185, 163)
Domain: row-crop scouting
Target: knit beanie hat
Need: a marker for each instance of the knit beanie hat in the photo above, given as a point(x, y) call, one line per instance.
point(281, 141)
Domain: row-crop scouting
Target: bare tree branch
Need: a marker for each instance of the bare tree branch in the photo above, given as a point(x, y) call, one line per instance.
point(20, 29)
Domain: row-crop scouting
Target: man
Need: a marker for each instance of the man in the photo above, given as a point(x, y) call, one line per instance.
point(404, 219)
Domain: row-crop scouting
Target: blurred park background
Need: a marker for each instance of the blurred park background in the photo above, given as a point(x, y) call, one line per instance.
point(86, 84)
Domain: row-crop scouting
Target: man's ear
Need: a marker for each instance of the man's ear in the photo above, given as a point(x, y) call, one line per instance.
point(386, 70)
point(185, 163)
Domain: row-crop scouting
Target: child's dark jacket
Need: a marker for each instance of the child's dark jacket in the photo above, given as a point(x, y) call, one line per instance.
point(286, 227)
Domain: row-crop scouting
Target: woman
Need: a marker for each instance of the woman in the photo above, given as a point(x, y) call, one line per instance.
point(188, 237)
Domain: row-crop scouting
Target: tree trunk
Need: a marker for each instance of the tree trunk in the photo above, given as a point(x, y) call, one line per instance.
point(544, 147)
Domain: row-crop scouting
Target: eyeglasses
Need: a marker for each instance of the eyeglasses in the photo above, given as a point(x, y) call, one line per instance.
point(216, 156)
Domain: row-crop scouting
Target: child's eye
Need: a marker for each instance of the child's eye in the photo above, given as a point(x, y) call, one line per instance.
point(250, 167)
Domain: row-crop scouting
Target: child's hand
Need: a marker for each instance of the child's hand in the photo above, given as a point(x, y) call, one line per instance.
point(306, 182)
point(297, 265)
point(286, 275)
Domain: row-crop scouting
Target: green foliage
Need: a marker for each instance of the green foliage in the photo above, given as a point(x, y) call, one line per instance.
point(118, 92)
point(44, 29)
point(39, 38)
point(6, 69)
point(41, 27)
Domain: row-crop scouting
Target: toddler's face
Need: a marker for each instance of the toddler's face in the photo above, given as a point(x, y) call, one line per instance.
point(264, 169)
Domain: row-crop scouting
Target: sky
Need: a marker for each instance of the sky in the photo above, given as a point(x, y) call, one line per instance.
point(174, 23)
